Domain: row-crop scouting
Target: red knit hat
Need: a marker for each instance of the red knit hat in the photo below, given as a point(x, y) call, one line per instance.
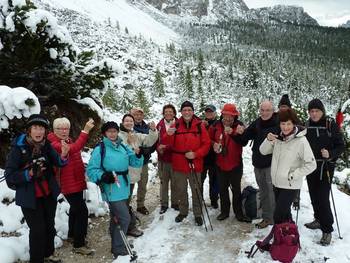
point(230, 108)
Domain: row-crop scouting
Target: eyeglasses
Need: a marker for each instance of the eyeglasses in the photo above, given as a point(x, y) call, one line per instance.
point(62, 129)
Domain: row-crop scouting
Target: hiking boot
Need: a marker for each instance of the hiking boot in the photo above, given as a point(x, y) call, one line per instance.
point(243, 218)
point(143, 210)
point(176, 207)
point(222, 216)
point(134, 232)
point(52, 259)
point(83, 250)
point(180, 218)
point(326, 239)
point(214, 204)
point(120, 253)
point(163, 209)
point(313, 225)
point(198, 220)
point(263, 224)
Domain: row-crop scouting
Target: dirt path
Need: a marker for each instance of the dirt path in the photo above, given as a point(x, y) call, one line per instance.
point(98, 236)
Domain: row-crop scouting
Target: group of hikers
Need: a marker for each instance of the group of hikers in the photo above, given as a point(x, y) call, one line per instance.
point(41, 165)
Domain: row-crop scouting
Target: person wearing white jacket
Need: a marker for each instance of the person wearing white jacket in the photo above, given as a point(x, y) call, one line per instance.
point(292, 160)
point(135, 141)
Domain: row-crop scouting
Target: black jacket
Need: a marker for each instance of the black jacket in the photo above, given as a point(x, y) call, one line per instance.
point(144, 150)
point(209, 159)
point(257, 132)
point(325, 134)
point(16, 173)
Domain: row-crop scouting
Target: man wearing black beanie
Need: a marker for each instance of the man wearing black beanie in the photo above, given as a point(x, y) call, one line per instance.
point(284, 103)
point(327, 145)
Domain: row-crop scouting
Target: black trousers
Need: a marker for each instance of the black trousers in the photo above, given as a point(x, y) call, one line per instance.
point(41, 223)
point(132, 224)
point(213, 184)
point(230, 179)
point(319, 190)
point(78, 218)
point(284, 199)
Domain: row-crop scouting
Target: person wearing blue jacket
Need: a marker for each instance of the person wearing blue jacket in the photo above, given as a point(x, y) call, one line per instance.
point(108, 167)
point(29, 171)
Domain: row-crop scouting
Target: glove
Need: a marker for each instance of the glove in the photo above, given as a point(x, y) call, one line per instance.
point(108, 178)
point(296, 204)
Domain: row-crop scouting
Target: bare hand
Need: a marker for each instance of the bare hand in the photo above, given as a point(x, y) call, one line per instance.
point(161, 148)
point(228, 130)
point(240, 129)
point(171, 131)
point(131, 138)
point(152, 126)
point(64, 149)
point(89, 125)
point(272, 137)
point(137, 150)
point(190, 155)
point(217, 147)
point(325, 153)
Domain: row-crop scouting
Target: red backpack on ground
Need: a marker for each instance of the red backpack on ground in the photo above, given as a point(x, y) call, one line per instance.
point(285, 244)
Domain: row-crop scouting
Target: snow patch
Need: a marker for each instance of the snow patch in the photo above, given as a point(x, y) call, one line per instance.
point(92, 104)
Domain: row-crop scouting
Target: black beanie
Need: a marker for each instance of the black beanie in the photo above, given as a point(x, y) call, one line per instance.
point(186, 104)
point(109, 125)
point(285, 101)
point(37, 119)
point(316, 104)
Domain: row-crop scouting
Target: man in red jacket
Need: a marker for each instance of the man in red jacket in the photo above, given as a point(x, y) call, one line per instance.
point(190, 143)
point(164, 161)
point(229, 161)
point(71, 179)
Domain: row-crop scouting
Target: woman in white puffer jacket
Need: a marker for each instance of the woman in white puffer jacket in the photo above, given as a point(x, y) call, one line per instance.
point(292, 160)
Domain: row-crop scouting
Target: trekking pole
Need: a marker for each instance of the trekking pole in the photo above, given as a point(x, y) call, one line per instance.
point(203, 201)
point(192, 174)
point(132, 254)
point(335, 211)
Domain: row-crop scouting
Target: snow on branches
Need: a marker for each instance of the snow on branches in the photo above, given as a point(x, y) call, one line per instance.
point(17, 102)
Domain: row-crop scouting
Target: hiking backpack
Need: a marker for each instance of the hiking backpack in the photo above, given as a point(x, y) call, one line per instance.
point(251, 202)
point(285, 244)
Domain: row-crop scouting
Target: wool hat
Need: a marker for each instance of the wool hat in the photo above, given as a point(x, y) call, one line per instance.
point(38, 119)
point(285, 101)
point(230, 108)
point(210, 107)
point(109, 125)
point(316, 104)
point(186, 104)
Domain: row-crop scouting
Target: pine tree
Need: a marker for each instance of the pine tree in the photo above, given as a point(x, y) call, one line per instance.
point(188, 82)
point(200, 66)
point(141, 101)
point(158, 84)
point(48, 64)
point(251, 112)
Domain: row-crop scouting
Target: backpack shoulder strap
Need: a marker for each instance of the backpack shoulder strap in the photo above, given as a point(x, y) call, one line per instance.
point(103, 153)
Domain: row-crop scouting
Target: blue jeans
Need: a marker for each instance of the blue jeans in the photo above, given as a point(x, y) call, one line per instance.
point(119, 220)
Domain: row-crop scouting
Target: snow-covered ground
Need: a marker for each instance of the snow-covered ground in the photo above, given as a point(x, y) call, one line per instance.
point(119, 11)
point(166, 241)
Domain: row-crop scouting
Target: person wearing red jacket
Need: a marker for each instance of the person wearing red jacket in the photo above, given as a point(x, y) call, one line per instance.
point(71, 179)
point(229, 161)
point(339, 119)
point(164, 160)
point(189, 142)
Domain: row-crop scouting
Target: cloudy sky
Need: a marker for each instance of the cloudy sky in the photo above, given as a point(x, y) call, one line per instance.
point(326, 12)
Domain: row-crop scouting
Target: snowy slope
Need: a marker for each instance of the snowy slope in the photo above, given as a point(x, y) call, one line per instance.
point(120, 11)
